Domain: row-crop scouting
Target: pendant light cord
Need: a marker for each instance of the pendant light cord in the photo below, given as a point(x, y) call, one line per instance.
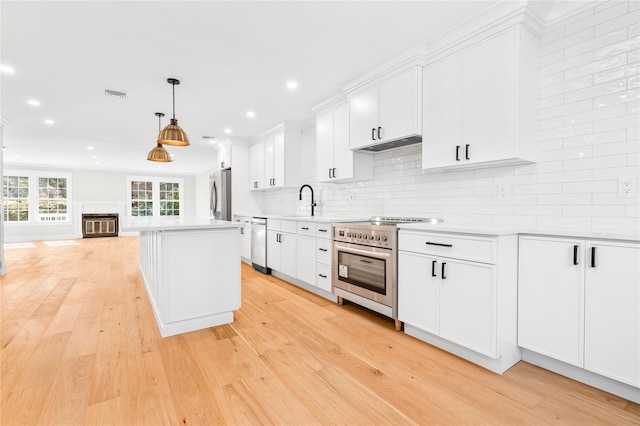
point(173, 86)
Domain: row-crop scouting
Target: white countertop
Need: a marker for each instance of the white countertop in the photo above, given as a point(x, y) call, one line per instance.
point(315, 219)
point(496, 230)
point(175, 223)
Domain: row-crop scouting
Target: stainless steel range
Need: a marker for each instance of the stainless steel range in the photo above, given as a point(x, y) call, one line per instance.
point(365, 263)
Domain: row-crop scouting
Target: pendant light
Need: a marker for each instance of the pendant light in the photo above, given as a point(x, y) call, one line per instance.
point(173, 134)
point(158, 153)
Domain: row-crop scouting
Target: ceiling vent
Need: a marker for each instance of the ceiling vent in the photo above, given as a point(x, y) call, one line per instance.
point(115, 93)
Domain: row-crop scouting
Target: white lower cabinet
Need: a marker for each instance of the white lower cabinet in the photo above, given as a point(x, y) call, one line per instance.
point(245, 238)
point(306, 259)
point(579, 302)
point(301, 251)
point(281, 246)
point(465, 306)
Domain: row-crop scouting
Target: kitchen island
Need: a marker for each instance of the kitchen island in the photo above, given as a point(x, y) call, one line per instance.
point(191, 269)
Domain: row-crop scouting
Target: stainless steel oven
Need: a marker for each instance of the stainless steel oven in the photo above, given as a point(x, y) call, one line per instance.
point(365, 262)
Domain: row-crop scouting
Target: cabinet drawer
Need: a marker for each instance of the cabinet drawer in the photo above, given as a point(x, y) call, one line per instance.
point(323, 251)
point(306, 228)
point(477, 249)
point(323, 277)
point(323, 230)
point(273, 224)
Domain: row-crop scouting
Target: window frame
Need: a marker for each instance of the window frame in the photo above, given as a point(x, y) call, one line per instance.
point(155, 195)
point(34, 177)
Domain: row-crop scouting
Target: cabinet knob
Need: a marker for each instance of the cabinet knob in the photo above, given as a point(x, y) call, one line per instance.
point(379, 129)
point(466, 152)
point(457, 152)
point(373, 134)
point(442, 274)
point(433, 268)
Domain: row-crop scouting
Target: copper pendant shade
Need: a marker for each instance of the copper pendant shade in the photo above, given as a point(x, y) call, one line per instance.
point(173, 134)
point(158, 153)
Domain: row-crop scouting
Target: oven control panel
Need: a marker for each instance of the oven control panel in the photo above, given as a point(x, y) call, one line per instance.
point(368, 237)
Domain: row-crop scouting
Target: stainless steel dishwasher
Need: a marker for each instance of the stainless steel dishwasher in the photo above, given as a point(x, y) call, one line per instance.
point(259, 244)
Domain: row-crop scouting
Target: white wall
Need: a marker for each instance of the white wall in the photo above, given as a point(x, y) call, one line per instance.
point(589, 91)
point(91, 188)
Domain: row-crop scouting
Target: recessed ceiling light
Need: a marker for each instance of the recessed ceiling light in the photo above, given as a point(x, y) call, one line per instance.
point(33, 102)
point(49, 122)
point(89, 148)
point(227, 131)
point(6, 69)
point(292, 85)
point(17, 156)
point(94, 156)
point(97, 162)
point(251, 114)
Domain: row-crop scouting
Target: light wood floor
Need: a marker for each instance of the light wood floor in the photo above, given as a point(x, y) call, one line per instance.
point(80, 346)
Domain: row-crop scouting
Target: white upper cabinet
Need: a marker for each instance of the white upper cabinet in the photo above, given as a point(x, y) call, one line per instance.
point(256, 166)
point(335, 160)
point(479, 103)
point(389, 111)
point(274, 159)
point(224, 156)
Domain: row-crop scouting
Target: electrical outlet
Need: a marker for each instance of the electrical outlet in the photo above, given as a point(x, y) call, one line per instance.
point(504, 192)
point(627, 187)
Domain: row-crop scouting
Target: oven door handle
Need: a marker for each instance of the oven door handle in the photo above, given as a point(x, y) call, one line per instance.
point(363, 252)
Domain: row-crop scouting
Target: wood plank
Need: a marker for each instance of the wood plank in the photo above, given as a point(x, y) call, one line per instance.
point(82, 347)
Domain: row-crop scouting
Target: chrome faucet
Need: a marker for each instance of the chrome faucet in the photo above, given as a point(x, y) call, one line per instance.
point(313, 203)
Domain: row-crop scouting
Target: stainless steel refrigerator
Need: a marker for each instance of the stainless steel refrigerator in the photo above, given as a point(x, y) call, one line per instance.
point(220, 194)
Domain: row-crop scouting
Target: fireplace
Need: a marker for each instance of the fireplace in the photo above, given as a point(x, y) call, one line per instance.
point(99, 225)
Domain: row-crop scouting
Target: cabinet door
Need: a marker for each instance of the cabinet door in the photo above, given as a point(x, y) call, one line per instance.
point(268, 161)
point(442, 116)
point(273, 250)
point(224, 156)
point(399, 106)
point(288, 254)
point(246, 241)
point(551, 298)
point(418, 291)
point(363, 118)
point(324, 145)
point(490, 108)
point(342, 155)
point(306, 259)
point(468, 305)
point(256, 166)
point(279, 159)
point(612, 311)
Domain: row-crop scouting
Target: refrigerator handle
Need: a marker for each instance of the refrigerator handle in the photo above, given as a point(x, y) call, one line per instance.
point(215, 199)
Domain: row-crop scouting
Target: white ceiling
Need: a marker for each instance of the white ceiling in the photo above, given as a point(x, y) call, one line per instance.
point(230, 57)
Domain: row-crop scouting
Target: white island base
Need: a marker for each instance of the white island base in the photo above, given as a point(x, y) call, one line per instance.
point(192, 275)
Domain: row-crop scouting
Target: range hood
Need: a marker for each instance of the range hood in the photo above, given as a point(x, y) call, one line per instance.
point(398, 143)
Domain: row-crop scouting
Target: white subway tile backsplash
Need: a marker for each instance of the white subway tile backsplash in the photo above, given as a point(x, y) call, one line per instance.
point(592, 67)
point(596, 138)
point(592, 187)
point(625, 147)
point(595, 163)
point(597, 43)
point(568, 63)
point(591, 211)
point(617, 48)
point(599, 90)
point(615, 224)
point(569, 40)
point(616, 98)
point(615, 123)
point(587, 136)
point(623, 19)
point(596, 114)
